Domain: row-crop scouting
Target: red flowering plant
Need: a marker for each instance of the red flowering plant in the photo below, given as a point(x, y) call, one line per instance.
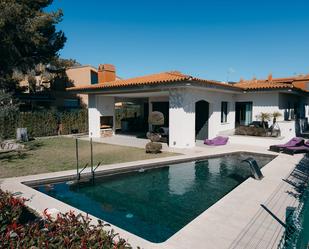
point(10, 210)
point(65, 231)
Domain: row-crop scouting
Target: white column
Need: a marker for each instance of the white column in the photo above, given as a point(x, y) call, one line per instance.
point(99, 106)
point(181, 119)
point(149, 111)
point(214, 119)
point(93, 116)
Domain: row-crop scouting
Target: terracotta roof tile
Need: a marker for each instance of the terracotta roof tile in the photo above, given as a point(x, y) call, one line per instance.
point(251, 85)
point(298, 83)
point(159, 78)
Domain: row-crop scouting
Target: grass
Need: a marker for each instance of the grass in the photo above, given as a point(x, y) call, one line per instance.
point(57, 154)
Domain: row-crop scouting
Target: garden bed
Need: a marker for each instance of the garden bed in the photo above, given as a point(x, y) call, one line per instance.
point(256, 131)
point(21, 228)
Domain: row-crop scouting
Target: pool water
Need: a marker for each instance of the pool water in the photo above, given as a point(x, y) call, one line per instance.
point(156, 203)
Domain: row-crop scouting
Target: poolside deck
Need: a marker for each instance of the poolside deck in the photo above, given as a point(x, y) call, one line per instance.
point(267, 227)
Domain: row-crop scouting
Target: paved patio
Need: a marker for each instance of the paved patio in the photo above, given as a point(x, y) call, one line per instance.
point(235, 142)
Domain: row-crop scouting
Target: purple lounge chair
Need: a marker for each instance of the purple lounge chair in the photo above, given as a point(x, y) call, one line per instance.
point(297, 149)
point(216, 141)
point(296, 141)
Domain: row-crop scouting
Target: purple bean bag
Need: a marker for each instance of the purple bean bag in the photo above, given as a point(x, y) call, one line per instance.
point(296, 141)
point(297, 149)
point(216, 141)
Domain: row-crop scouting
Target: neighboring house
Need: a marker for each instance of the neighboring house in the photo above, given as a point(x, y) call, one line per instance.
point(39, 92)
point(81, 75)
point(195, 108)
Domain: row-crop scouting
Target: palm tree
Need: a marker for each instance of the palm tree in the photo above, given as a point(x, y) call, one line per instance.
point(264, 116)
point(275, 115)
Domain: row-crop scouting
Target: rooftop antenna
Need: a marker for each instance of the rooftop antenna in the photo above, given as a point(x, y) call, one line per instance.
point(229, 72)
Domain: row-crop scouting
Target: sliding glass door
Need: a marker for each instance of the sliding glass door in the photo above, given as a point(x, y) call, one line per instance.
point(243, 113)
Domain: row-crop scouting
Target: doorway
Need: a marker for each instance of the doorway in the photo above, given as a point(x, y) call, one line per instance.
point(243, 113)
point(201, 119)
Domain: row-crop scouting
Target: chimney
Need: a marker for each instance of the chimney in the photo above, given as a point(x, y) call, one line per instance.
point(270, 77)
point(106, 73)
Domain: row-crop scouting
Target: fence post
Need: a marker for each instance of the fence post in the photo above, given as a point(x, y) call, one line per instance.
point(76, 151)
point(91, 155)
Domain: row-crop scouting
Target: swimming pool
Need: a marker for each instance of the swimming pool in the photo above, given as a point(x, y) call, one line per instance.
point(155, 203)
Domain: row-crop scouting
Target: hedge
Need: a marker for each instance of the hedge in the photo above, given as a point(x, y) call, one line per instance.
point(41, 124)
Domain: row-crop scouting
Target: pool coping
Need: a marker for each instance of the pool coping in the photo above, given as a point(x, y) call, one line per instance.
point(128, 169)
point(195, 229)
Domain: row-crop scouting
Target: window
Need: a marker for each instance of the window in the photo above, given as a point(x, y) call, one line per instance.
point(93, 77)
point(71, 103)
point(224, 111)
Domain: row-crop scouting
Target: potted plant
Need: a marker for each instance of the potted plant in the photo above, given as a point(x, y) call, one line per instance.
point(276, 115)
point(275, 129)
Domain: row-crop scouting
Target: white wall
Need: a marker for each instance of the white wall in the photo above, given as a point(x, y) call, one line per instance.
point(182, 115)
point(287, 129)
point(181, 119)
point(99, 106)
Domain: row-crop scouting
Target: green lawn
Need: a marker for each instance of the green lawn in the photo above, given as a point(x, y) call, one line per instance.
point(56, 154)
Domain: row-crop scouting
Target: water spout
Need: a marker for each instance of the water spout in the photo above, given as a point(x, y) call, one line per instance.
point(254, 167)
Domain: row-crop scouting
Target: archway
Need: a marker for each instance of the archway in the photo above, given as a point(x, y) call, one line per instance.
point(201, 119)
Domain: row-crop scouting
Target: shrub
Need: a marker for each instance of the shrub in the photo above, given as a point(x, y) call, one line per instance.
point(74, 120)
point(11, 209)
point(39, 124)
point(65, 231)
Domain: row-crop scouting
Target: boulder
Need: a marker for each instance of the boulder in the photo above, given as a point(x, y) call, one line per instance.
point(156, 118)
point(153, 137)
point(153, 147)
point(11, 145)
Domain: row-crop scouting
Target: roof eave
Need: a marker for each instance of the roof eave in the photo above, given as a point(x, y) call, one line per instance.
point(156, 86)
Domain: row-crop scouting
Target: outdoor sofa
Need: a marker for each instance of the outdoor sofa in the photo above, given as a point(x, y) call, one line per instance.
point(216, 141)
point(297, 149)
point(296, 141)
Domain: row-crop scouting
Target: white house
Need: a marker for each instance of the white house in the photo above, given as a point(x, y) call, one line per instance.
point(195, 108)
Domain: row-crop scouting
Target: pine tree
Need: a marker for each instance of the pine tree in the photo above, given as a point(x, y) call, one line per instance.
point(28, 36)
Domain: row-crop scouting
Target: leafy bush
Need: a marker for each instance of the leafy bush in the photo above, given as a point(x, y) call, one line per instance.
point(11, 209)
point(40, 124)
point(74, 120)
point(65, 231)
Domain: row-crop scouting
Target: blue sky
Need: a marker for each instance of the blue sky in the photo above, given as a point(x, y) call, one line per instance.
point(218, 39)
